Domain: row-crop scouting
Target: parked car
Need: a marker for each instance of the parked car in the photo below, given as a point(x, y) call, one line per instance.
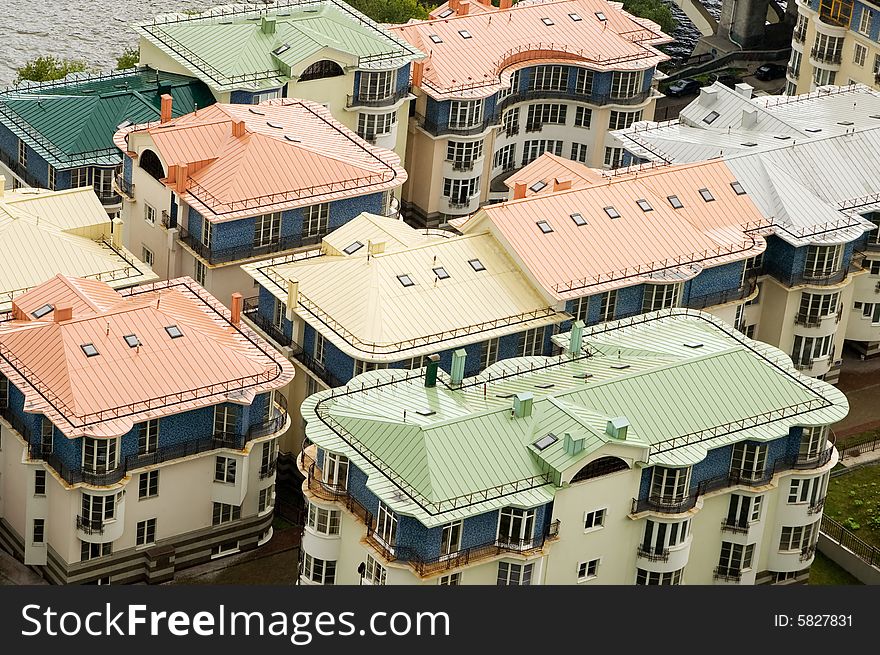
point(770, 71)
point(683, 87)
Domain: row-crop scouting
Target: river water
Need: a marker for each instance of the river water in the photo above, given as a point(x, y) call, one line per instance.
point(99, 30)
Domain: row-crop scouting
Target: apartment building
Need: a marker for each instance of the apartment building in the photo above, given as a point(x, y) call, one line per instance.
point(663, 449)
point(138, 430)
point(834, 42)
point(806, 160)
point(237, 183)
point(379, 294)
point(502, 85)
point(59, 135)
point(43, 233)
point(320, 50)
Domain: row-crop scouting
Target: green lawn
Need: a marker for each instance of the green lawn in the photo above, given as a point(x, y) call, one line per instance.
point(854, 500)
point(825, 572)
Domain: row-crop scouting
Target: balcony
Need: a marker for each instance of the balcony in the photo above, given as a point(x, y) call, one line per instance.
point(125, 187)
point(463, 165)
point(826, 56)
point(792, 72)
point(818, 278)
point(462, 129)
point(727, 574)
point(799, 36)
point(89, 526)
point(565, 94)
point(721, 297)
point(21, 171)
point(807, 553)
point(534, 127)
point(384, 101)
point(810, 320)
point(166, 220)
point(109, 199)
point(734, 526)
point(458, 203)
point(269, 470)
point(653, 554)
point(816, 506)
point(236, 253)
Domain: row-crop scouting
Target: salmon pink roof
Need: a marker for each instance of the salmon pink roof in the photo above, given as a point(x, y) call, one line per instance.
point(473, 55)
point(659, 225)
point(95, 361)
point(289, 153)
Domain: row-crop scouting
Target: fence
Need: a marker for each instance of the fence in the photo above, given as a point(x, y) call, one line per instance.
point(859, 448)
point(868, 553)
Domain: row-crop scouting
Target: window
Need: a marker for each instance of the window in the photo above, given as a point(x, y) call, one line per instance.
point(103, 182)
point(621, 120)
point(264, 501)
point(463, 154)
point(279, 313)
point(594, 519)
point(812, 442)
point(201, 272)
point(587, 570)
point(374, 573)
point(548, 21)
point(148, 436)
point(416, 362)
point(318, 570)
point(39, 534)
point(544, 226)
point(267, 457)
point(148, 485)
point(807, 490)
point(531, 342)
point(465, 34)
point(360, 366)
point(488, 353)
point(706, 195)
point(549, 78)
point(510, 574)
point(735, 558)
point(318, 353)
point(224, 470)
point(99, 455)
point(578, 219)
point(607, 305)
point(50, 177)
point(823, 76)
point(551, 113)
point(47, 433)
point(372, 125)
point(798, 537)
point(149, 214)
point(80, 177)
point(675, 202)
point(225, 420)
point(513, 88)
point(871, 311)
point(93, 551)
point(661, 296)
point(626, 84)
point(40, 312)
point(537, 186)
point(465, 113)
point(22, 153)
point(659, 537)
point(516, 527)
point(146, 532)
point(644, 577)
point(226, 548)
point(873, 267)
point(375, 85)
point(504, 157)
point(669, 486)
point(267, 229)
point(613, 157)
point(510, 121)
point(316, 218)
point(336, 470)
point(537, 147)
point(579, 152)
point(865, 21)
point(451, 580)
point(583, 117)
point(89, 349)
point(584, 82)
point(823, 261)
point(460, 192)
point(808, 349)
point(743, 510)
point(386, 526)
point(257, 98)
point(96, 510)
point(748, 460)
point(224, 513)
point(323, 521)
point(815, 306)
point(859, 54)
point(450, 538)
point(40, 482)
point(795, 63)
point(147, 256)
point(827, 48)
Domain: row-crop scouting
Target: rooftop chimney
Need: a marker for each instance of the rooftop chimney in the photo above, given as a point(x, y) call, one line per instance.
point(571, 445)
point(267, 25)
point(519, 190)
point(63, 313)
point(522, 404)
point(617, 427)
point(237, 301)
point(708, 96)
point(745, 90)
point(561, 183)
point(292, 297)
point(458, 359)
point(180, 182)
point(376, 248)
point(576, 338)
point(505, 4)
point(418, 73)
point(237, 128)
point(453, 4)
point(750, 117)
point(431, 371)
point(165, 108)
point(464, 7)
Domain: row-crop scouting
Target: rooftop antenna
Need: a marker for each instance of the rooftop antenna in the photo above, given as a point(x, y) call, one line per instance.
point(108, 329)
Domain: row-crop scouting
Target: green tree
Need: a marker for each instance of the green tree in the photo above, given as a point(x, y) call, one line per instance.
point(654, 10)
point(48, 68)
point(390, 11)
point(128, 59)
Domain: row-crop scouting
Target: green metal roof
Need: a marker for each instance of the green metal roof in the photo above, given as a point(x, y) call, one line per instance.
point(685, 381)
point(71, 122)
point(229, 49)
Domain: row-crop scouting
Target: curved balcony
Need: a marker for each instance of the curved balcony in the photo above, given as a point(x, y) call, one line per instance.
point(721, 297)
point(828, 59)
point(597, 100)
point(357, 100)
point(322, 546)
point(463, 129)
point(102, 531)
point(664, 560)
point(226, 255)
point(460, 206)
point(787, 561)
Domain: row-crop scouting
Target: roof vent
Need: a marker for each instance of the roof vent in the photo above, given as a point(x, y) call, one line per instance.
point(749, 117)
point(576, 338)
point(237, 128)
point(522, 404)
point(431, 371)
point(267, 25)
point(745, 90)
point(573, 446)
point(617, 427)
point(459, 357)
point(708, 96)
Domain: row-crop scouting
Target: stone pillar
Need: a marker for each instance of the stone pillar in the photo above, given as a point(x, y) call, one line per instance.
point(742, 21)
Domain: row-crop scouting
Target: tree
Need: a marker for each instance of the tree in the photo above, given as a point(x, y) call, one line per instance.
point(48, 68)
point(654, 10)
point(390, 11)
point(128, 59)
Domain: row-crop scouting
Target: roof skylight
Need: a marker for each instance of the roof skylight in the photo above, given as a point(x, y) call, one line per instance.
point(546, 441)
point(675, 202)
point(353, 248)
point(575, 17)
point(706, 195)
point(477, 265)
point(709, 118)
point(612, 212)
point(281, 48)
point(601, 16)
point(544, 226)
point(578, 219)
point(173, 331)
point(89, 349)
point(446, 12)
point(465, 34)
point(435, 38)
point(737, 188)
point(440, 272)
point(406, 280)
point(537, 186)
point(644, 205)
point(548, 21)
point(40, 312)
point(132, 340)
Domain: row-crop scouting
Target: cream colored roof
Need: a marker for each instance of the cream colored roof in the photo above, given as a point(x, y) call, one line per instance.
point(360, 305)
point(376, 229)
point(43, 233)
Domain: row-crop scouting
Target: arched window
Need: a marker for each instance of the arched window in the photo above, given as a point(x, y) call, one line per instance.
point(321, 69)
point(149, 161)
point(600, 467)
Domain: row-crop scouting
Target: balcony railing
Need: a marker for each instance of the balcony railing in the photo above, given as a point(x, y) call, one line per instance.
point(464, 129)
point(825, 56)
point(403, 554)
point(721, 297)
point(684, 503)
point(225, 255)
point(734, 526)
point(459, 203)
point(534, 127)
point(357, 100)
point(269, 470)
point(463, 165)
point(799, 36)
point(810, 321)
point(166, 219)
point(862, 549)
point(807, 552)
point(727, 574)
point(792, 72)
point(565, 94)
point(125, 187)
point(816, 507)
point(89, 526)
point(653, 554)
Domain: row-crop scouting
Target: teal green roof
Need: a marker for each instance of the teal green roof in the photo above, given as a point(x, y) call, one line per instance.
point(230, 50)
point(685, 382)
point(71, 122)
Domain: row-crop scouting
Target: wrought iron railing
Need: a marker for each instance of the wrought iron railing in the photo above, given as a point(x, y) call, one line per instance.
point(89, 526)
point(721, 297)
point(734, 526)
point(799, 36)
point(653, 554)
point(464, 129)
point(838, 532)
point(269, 470)
point(126, 187)
point(807, 552)
point(579, 96)
point(816, 506)
point(826, 56)
point(727, 574)
point(235, 253)
point(357, 100)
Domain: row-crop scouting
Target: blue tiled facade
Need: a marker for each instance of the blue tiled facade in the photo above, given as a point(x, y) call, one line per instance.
point(247, 97)
point(401, 81)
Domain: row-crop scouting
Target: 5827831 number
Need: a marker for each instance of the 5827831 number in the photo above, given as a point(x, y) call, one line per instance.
point(822, 620)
